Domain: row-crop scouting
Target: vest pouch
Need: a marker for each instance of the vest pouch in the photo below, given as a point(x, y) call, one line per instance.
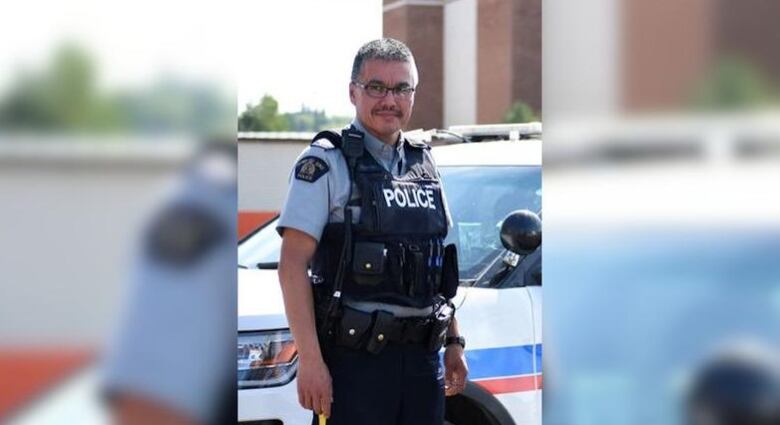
point(450, 278)
point(368, 263)
point(416, 272)
point(353, 328)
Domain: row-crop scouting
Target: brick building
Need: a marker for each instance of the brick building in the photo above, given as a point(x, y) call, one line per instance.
point(476, 57)
point(669, 46)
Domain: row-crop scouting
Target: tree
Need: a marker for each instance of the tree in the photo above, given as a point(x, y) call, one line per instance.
point(171, 105)
point(520, 112)
point(313, 120)
point(733, 84)
point(264, 116)
point(63, 97)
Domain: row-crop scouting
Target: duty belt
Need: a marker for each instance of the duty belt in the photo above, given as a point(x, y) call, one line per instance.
point(372, 331)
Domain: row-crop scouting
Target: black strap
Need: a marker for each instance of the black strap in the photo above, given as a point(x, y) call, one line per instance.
point(331, 135)
point(354, 150)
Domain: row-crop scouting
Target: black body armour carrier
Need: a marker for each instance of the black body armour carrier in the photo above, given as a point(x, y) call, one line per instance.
point(396, 253)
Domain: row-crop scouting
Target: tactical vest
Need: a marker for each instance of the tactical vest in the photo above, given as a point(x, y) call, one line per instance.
point(397, 245)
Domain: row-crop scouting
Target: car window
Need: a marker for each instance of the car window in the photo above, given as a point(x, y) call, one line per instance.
point(479, 199)
point(265, 246)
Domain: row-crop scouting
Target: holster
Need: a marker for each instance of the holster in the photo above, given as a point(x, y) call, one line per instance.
point(322, 315)
point(442, 317)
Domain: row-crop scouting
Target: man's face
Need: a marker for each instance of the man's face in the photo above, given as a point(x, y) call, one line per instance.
point(385, 116)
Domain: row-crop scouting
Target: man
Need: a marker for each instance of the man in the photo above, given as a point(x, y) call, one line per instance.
point(172, 360)
point(375, 359)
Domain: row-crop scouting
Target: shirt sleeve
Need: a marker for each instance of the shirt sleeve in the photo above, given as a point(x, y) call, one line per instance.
point(173, 342)
point(306, 207)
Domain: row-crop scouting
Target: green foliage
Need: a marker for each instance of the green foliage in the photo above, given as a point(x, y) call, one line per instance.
point(520, 112)
point(337, 122)
point(264, 116)
point(64, 97)
point(307, 119)
point(173, 106)
point(61, 97)
point(734, 84)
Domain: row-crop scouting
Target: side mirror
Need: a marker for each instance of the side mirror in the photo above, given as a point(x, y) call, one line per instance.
point(521, 232)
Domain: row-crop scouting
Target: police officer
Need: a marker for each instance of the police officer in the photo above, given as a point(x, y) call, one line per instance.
point(172, 360)
point(365, 209)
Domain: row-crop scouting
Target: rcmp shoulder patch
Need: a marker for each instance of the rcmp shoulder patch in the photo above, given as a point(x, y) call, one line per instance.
point(310, 169)
point(182, 234)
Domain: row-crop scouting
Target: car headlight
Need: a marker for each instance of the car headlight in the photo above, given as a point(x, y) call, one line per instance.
point(266, 359)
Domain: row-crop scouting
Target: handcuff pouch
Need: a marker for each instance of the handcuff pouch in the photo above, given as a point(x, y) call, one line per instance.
point(380, 333)
point(352, 328)
point(368, 263)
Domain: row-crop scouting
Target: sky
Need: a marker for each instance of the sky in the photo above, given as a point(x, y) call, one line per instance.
point(303, 58)
point(131, 42)
point(248, 48)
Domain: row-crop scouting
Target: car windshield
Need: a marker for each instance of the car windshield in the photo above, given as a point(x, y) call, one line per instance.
point(263, 247)
point(479, 198)
point(692, 292)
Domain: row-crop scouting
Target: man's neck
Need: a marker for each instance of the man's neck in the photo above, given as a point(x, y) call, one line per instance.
point(391, 139)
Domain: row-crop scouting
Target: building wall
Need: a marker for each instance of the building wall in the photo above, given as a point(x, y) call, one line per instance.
point(419, 23)
point(526, 52)
point(476, 57)
point(494, 60)
point(581, 65)
point(263, 173)
point(748, 28)
point(70, 228)
point(668, 46)
point(460, 62)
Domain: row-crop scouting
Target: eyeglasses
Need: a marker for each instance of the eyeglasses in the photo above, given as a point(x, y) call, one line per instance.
point(379, 91)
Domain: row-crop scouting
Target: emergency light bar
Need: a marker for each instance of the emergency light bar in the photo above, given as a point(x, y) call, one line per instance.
point(475, 133)
point(503, 131)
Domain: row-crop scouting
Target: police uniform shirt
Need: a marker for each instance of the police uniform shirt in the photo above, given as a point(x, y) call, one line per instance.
point(174, 342)
point(318, 191)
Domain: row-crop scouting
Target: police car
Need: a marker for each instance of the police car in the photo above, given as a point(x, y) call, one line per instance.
point(488, 173)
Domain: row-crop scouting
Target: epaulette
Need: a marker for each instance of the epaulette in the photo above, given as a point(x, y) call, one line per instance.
point(327, 139)
point(417, 143)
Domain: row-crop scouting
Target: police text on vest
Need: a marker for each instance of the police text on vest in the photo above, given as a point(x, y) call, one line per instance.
point(406, 198)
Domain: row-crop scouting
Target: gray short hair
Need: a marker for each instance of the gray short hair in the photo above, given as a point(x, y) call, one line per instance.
point(388, 49)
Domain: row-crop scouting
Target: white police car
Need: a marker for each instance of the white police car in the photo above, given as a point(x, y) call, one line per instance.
point(499, 302)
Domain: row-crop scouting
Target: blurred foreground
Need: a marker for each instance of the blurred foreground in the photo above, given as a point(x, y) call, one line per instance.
point(662, 222)
point(662, 219)
point(110, 116)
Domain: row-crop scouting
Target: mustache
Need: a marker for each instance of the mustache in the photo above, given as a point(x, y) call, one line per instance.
point(386, 109)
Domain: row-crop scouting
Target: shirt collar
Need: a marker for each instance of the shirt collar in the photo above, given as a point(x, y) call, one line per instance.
point(378, 148)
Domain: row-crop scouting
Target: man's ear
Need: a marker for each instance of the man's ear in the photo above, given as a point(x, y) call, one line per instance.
point(352, 93)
